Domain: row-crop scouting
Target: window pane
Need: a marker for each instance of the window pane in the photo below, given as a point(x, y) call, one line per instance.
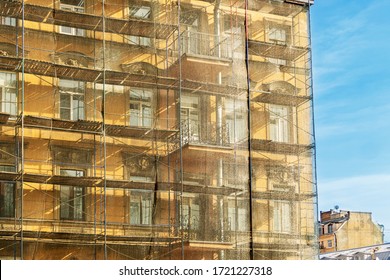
point(8, 21)
point(141, 208)
point(65, 114)
point(7, 199)
point(232, 217)
point(135, 114)
point(195, 216)
point(146, 211)
point(78, 107)
point(65, 202)
point(72, 173)
point(66, 30)
point(65, 100)
point(78, 203)
point(147, 116)
point(135, 212)
point(71, 203)
point(279, 123)
point(141, 12)
point(282, 216)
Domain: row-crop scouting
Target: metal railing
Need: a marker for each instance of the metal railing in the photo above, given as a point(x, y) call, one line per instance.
point(204, 44)
point(206, 133)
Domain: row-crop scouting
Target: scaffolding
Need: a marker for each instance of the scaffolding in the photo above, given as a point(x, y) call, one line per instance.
point(156, 129)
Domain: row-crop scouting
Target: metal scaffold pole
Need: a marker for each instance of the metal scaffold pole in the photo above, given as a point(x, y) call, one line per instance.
point(251, 214)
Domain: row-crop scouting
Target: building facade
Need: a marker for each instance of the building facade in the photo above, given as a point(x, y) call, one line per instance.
point(156, 129)
point(345, 230)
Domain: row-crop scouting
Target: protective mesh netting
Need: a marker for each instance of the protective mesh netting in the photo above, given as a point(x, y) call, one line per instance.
point(156, 129)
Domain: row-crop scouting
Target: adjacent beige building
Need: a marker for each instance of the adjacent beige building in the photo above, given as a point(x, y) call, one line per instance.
point(342, 230)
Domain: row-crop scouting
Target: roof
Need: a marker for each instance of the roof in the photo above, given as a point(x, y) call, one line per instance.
point(382, 252)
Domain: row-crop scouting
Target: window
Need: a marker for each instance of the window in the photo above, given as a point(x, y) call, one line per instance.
point(234, 174)
point(282, 217)
point(7, 194)
point(277, 35)
point(140, 12)
point(72, 8)
point(143, 13)
point(72, 106)
point(8, 93)
point(141, 204)
point(278, 32)
point(238, 216)
point(330, 228)
point(139, 40)
point(191, 39)
point(233, 45)
point(189, 114)
point(236, 117)
point(190, 213)
point(71, 198)
point(277, 61)
point(279, 123)
point(8, 21)
point(330, 244)
point(141, 107)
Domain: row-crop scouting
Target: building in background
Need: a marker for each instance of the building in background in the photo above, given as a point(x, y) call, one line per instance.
point(156, 129)
point(344, 230)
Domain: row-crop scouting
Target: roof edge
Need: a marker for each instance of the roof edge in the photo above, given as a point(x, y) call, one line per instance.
point(300, 2)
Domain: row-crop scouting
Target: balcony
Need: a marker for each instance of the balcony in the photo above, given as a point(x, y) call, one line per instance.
point(205, 45)
point(205, 133)
point(199, 52)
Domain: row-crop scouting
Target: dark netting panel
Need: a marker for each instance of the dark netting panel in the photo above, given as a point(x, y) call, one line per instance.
point(156, 129)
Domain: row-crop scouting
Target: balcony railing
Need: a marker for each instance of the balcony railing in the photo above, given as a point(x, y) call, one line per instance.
point(203, 44)
point(196, 133)
point(205, 133)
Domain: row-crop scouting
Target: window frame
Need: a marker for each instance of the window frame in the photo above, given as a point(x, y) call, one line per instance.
point(141, 120)
point(7, 189)
point(72, 214)
point(282, 222)
point(278, 33)
point(8, 90)
point(280, 130)
point(236, 120)
point(142, 202)
point(81, 111)
point(74, 31)
point(238, 215)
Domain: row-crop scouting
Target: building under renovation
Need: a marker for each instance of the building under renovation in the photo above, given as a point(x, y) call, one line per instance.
point(156, 129)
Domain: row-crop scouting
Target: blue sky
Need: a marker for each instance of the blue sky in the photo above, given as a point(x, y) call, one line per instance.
point(351, 68)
